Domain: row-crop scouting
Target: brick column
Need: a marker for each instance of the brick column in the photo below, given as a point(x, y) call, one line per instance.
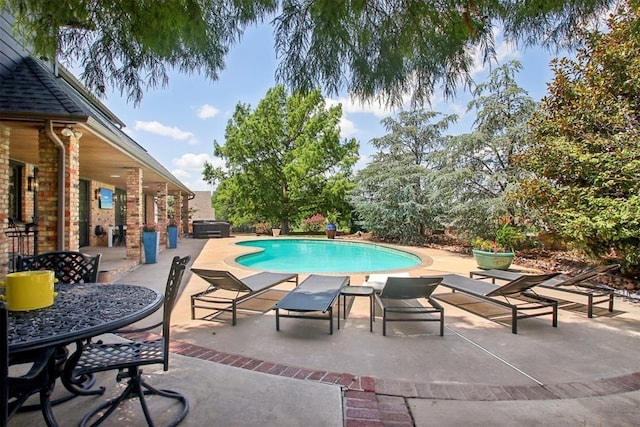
point(163, 221)
point(134, 214)
point(5, 144)
point(177, 211)
point(47, 193)
point(72, 190)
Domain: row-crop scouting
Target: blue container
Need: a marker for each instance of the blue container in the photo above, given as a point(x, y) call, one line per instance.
point(172, 233)
point(150, 243)
point(330, 230)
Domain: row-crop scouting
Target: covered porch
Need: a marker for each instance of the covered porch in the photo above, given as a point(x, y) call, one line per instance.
point(70, 174)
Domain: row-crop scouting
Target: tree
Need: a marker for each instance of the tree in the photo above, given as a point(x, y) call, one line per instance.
point(392, 194)
point(476, 169)
point(371, 48)
point(586, 151)
point(284, 161)
point(130, 45)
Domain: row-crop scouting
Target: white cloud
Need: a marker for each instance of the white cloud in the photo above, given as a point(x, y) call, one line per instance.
point(189, 167)
point(362, 162)
point(194, 161)
point(352, 106)
point(207, 111)
point(505, 50)
point(458, 109)
point(158, 128)
point(347, 127)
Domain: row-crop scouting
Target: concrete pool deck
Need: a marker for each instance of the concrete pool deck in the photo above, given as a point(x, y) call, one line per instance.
point(585, 372)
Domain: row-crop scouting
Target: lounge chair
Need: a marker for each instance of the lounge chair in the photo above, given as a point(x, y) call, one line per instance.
point(516, 296)
point(395, 293)
point(377, 281)
point(316, 293)
point(576, 285)
point(244, 289)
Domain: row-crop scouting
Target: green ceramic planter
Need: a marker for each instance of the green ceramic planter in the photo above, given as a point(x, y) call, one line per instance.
point(493, 261)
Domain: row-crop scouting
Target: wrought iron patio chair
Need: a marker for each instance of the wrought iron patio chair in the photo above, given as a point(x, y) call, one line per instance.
point(68, 266)
point(14, 391)
point(128, 357)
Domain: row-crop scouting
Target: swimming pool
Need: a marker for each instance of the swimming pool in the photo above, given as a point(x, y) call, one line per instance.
point(324, 256)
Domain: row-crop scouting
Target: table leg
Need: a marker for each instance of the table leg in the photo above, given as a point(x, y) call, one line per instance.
point(344, 306)
point(371, 313)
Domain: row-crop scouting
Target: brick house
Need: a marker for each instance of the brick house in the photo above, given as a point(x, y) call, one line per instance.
point(67, 169)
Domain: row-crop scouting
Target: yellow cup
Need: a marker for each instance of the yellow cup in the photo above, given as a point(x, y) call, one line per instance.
point(29, 290)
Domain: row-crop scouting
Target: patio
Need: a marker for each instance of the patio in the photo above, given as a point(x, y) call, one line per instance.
point(585, 372)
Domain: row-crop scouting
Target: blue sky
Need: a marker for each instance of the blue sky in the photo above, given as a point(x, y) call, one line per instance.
point(178, 124)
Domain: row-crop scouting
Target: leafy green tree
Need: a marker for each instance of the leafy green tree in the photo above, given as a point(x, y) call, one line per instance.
point(371, 48)
point(586, 145)
point(284, 161)
point(476, 171)
point(392, 194)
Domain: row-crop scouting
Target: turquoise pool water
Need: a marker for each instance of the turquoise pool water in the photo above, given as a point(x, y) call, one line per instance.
point(324, 256)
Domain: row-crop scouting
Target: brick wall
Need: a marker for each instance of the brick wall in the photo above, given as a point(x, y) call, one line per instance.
point(162, 189)
point(72, 190)
point(177, 211)
point(5, 133)
point(134, 213)
point(47, 193)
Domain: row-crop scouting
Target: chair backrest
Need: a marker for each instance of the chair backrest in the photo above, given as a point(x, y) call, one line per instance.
point(409, 287)
point(222, 279)
point(4, 365)
point(178, 266)
point(592, 272)
point(521, 284)
point(68, 266)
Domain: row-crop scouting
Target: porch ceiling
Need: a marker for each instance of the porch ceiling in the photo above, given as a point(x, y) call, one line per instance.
point(99, 160)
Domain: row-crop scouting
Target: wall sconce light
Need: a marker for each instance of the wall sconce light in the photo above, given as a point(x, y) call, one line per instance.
point(96, 194)
point(32, 184)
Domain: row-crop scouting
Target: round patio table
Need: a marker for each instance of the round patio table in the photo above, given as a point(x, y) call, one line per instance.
point(80, 311)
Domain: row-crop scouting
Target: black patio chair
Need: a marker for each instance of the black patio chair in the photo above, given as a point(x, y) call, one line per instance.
point(14, 391)
point(68, 266)
point(128, 357)
point(119, 236)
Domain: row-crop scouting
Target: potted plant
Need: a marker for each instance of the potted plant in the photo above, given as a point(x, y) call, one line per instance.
point(275, 230)
point(150, 242)
point(331, 227)
point(496, 254)
point(172, 234)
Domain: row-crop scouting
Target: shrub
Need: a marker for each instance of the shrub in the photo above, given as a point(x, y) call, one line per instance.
point(314, 223)
point(263, 227)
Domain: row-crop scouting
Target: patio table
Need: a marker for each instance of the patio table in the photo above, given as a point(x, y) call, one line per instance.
point(79, 312)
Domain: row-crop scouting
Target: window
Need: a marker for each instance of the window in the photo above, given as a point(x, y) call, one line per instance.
point(16, 172)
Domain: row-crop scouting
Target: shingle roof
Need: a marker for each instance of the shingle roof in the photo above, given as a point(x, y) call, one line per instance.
point(32, 90)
